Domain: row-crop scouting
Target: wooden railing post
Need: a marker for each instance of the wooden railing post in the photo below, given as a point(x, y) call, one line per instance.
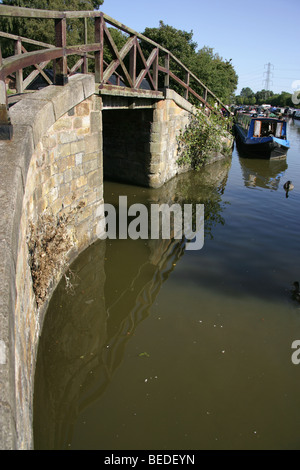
point(187, 79)
point(167, 75)
point(19, 73)
point(99, 54)
point(132, 63)
point(6, 129)
point(85, 65)
point(155, 70)
point(61, 76)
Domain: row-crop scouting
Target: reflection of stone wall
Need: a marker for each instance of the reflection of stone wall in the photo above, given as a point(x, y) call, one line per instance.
point(85, 334)
point(194, 187)
point(69, 366)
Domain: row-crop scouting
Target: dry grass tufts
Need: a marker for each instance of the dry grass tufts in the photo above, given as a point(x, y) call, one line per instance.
point(49, 241)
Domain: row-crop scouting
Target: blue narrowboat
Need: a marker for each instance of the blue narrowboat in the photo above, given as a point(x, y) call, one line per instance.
point(262, 137)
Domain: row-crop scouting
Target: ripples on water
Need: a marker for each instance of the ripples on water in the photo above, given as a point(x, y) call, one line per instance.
point(162, 348)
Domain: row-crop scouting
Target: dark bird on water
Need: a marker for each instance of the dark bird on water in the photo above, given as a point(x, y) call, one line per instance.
point(288, 186)
point(296, 291)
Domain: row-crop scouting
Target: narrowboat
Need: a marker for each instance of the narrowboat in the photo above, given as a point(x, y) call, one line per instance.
point(262, 137)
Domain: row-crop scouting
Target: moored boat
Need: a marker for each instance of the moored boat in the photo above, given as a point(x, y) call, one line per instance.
point(262, 137)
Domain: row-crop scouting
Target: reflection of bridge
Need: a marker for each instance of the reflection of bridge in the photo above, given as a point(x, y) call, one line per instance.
point(126, 74)
point(78, 372)
point(80, 351)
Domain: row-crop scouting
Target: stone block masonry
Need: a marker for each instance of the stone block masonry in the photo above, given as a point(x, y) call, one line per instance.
point(51, 173)
point(169, 118)
point(140, 145)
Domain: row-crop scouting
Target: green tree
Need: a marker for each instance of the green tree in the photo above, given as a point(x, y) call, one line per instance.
point(178, 42)
point(285, 99)
point(239, 100)
point(247, 92)
point(263, 96)
point(218, 75)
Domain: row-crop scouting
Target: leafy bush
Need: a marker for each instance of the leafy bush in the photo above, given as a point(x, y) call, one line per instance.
point(203, 137)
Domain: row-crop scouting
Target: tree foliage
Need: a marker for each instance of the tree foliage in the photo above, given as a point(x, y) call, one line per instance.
point(248, 97)
point(217, 74)
point(177, 41)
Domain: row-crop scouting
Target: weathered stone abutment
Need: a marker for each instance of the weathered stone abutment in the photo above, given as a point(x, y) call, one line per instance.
point(140, 139)
point(52, 166)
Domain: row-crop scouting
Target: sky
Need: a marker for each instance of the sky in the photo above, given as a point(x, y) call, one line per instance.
point(252, 33)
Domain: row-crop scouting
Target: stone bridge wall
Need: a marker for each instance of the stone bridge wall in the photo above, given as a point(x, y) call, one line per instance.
point(53, 166)
point(140, 145)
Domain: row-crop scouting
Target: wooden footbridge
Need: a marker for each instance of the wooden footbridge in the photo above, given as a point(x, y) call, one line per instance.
point(129, 70)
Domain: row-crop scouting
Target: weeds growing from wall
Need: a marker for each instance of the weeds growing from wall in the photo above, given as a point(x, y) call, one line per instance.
point(49, 240)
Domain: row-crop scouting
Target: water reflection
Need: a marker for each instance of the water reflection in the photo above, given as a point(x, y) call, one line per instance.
point(295, 124)
point(262, 173)
point(115, 284)
point(208, 188)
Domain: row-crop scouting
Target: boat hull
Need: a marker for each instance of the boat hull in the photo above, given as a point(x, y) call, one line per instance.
point(271, 148)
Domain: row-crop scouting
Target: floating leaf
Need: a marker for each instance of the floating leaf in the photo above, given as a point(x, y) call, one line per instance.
point(144, 354)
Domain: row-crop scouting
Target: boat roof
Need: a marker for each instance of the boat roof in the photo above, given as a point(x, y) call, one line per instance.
point(262, 118)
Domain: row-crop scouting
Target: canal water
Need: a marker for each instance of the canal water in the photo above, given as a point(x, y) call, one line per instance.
point(156, 347)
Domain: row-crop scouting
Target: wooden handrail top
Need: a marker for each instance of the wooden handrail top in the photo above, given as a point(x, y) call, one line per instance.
point(18, 62)
point(26, 40)
point(23, 12)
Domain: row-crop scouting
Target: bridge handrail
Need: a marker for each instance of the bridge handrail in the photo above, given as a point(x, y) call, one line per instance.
point(24, 12)
point(59, 53)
